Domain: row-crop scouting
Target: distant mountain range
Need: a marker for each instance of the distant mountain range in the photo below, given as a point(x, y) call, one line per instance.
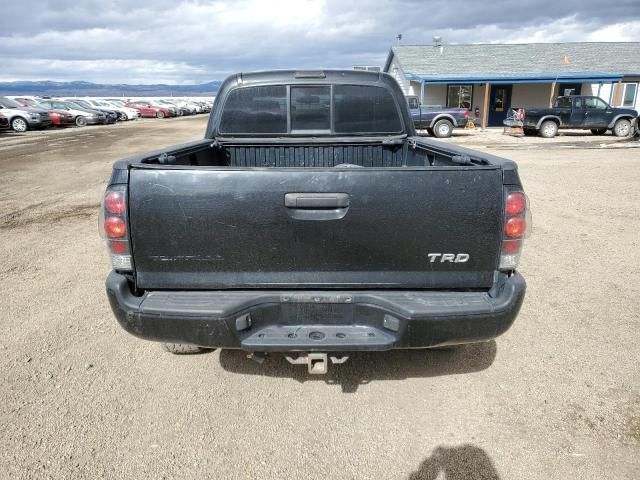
point(101, 90)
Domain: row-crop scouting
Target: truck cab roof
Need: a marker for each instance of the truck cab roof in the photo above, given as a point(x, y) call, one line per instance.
point(308, 103)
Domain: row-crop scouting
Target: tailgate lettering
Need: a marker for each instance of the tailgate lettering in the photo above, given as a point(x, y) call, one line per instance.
point(448, 257)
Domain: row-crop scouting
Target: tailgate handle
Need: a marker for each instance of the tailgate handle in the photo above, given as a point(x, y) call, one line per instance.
point(315, 201)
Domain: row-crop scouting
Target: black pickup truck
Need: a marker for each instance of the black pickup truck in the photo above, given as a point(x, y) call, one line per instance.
point(312, 220)
point(437, 121)
point(580, 112)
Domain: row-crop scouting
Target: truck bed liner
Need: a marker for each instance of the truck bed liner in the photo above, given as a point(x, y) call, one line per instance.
point(314, 156)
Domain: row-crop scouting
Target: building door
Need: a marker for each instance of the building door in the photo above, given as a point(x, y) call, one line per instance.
point(499, 104)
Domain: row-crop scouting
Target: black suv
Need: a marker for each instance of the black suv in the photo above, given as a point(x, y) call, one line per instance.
point(580, 112)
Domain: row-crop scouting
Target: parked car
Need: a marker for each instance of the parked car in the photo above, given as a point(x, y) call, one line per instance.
point(4, 122)
point(23, 118)
point(312, 220)
point(62, 118)
point(59, 118)
point(583, 112)
point(27, 101)
point(147, 110)
point(132, 113)
point(118, 102)
point(206, 108)
point(437, 121)
point(111, 115)
point(175, 109)
point(123, 113)
point(81, 116)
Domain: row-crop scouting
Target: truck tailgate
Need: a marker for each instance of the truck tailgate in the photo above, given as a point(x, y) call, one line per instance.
point(217, 228)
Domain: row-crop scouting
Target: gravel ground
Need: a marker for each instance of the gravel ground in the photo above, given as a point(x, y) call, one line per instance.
point(558, 396)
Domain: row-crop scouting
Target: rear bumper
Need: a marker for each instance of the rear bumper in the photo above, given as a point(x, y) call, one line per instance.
point(321, 321)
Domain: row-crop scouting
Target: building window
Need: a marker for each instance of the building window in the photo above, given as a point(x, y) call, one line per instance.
point(629, 94)
point(459, 96)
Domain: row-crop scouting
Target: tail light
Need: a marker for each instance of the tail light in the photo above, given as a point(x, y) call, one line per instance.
point(466, 114)
point(113, 226)
point(517, 226)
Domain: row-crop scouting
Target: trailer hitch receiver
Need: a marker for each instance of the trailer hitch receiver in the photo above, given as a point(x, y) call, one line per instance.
point(317, 363)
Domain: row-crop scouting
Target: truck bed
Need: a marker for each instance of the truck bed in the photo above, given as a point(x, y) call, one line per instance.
point(395, 152)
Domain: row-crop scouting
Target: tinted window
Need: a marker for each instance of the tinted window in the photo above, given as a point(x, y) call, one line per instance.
point(8, 103)
point(413, 102)
point(595, 103)
point(255, 110)
point(565, 102)
point(310, 108)
point(362, 109)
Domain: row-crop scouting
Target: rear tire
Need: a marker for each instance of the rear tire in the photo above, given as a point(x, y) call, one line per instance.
point(548, 129)
point(622, 128)
point(81, 121)
point(443, 129)
point(598, 131)
point(184, 348)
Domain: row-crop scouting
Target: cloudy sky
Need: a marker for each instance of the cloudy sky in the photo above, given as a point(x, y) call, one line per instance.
point(195, 41)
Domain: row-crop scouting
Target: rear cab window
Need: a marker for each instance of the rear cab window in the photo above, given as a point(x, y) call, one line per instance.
point(310, 110)
point(260, 109)
point(363, 110)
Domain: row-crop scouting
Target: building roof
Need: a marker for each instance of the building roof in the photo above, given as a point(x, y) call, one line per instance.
point(526, 61)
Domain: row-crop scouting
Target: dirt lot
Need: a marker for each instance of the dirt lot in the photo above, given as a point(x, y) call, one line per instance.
point(558, 396)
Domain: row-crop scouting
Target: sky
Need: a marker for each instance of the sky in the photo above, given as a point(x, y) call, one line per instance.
point(196, 41)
